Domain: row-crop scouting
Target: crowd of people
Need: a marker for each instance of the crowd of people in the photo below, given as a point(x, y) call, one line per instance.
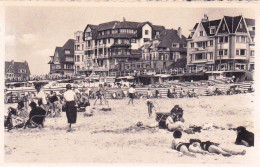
point(73, 100)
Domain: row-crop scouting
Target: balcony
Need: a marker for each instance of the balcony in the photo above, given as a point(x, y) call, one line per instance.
point(100, 69)
point(101, 56)
point(223, 57)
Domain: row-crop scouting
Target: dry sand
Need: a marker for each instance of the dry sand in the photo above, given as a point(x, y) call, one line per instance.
point(54, 144)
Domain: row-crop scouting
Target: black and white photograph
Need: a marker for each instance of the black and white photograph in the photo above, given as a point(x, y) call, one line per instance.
point(130, 84)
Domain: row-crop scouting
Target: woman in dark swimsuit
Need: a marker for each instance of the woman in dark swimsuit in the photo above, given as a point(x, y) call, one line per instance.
point(215, 148)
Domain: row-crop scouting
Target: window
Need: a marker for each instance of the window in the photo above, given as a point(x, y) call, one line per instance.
point(146, 39)
point(226, 39)
point(243, 39)
point(223, 27)
point(77, 38)
point(67, 52)
point(237, 52)
point(133, 40)
point(220, 39)
point(211, 43)
point(252, 53)
point(201, 33)
point(240, 66)
point(222, 52)
point(240, 25)
point(191, 45)
point(146, 32)
point(210, 55)
point(242, 52)
point(82, 57)
point(175, 45)
point(212, 30)
point(237, 39)
point(78, 58)
point(108, 40)
point(190, 57)
point(157, 32)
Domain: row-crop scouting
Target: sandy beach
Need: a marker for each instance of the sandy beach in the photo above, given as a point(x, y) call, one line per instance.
point(93, 140)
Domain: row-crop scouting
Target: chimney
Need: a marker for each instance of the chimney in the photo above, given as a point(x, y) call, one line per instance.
point(179, 32)
point(205, 18)
point(123, 19)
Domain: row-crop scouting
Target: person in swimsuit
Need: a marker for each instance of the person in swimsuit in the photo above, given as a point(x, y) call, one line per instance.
point(179, 145)
point(212, 147)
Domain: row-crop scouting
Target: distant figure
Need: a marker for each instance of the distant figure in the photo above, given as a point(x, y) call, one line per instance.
point(70, 106)
point(149, 93)
point(99, 95)
point(41, 97)
point(244, 137)
point(131, 93)
point(150, 106)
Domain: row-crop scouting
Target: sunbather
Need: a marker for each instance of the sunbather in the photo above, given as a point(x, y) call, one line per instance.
point(179, 145)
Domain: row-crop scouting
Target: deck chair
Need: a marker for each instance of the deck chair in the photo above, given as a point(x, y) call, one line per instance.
point(32, 121)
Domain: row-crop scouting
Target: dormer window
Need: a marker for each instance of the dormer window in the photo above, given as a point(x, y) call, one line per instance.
point(223, 27)
point(212, 30)
point(240, 25)
point(67, 52)
point(201, 33)
point(175, 45)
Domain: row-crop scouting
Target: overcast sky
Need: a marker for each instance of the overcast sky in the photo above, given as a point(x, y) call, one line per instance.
point(32, 33)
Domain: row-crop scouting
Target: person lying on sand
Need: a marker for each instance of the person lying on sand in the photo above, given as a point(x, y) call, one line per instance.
point(179, 145)
point(244, 137)
point(175, 121)
point(213, 148)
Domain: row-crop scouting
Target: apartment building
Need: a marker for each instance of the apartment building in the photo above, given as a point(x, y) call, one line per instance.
point(109, 44)
point(16, 71)
point(166, 51)
point(225, 44)
point(62, 62)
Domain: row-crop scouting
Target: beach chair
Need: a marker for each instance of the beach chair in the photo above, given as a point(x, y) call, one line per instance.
point(161, 118)
point(38, 116)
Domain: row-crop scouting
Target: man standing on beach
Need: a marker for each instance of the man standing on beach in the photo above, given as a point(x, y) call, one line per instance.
point(131, 93)
point(70, 106)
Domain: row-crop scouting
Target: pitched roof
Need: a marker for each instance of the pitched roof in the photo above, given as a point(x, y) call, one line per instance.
point(158, 28)
point(107, 26)
point(208, 24)
point(232, 22)
point(16, 66)
point(92, 26)
point(250, 22)
point(168, 37)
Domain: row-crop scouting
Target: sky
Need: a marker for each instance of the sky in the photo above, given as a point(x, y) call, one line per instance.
point(32, 33)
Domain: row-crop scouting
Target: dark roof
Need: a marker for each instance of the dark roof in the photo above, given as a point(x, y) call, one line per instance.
point(232, 22)
point(208, 24)
point(250, 22)
point(158, 28)
point(92, 26)
point(15, 66)
point(168, 37)
point(195, 27)
point(180, 63)
point(69, 45)
point(107, 26)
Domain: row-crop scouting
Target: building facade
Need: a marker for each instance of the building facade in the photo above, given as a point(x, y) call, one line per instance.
point(17, 71)
point(107, 45)
point(62, 62)
point(226, 44)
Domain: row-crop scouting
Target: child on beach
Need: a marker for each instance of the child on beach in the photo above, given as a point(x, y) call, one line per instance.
point(150, 106)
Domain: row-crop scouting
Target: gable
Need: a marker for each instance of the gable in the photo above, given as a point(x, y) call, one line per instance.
point(223, 28)
point(198, 31)
point(10, 69)
point(241, 27)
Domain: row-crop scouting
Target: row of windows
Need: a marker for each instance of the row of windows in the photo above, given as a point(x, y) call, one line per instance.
point(78, 47)
point(77, 58)
point(203, 44)
point(202, 56)
point(116, 31)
